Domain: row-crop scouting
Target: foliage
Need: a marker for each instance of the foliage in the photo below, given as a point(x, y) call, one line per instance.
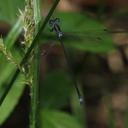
point(83, 34)
point(8, 62)
point(55, 90)
point(9, 10)
point(56, 119)
point(12, 98)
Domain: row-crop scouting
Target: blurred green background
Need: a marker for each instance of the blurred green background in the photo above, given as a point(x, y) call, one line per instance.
point(95, 35)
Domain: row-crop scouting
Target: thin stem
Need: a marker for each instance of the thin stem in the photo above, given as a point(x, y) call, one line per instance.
point(37, 17)
point(34, 43)
point(34, 90)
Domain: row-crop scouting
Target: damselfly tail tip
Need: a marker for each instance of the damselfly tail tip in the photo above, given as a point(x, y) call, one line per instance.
point(60, 34)
point(81, 100)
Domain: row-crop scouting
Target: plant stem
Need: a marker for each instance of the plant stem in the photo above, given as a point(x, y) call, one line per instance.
point(34, 43)
point(34, 90)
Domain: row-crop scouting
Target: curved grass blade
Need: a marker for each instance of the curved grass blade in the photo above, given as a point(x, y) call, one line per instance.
point(13, 34)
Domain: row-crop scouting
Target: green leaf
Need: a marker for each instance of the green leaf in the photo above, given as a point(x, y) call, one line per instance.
point(6, 72)
point(55, 90)
point(9, 10)
point(57, 119)
point(12, 98)
point(6, 68)
point(13, 34)
point(84, 33)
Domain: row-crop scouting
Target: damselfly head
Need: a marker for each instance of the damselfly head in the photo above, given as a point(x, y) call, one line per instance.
point(51, 22)
point(54, 21)
point(57, 20)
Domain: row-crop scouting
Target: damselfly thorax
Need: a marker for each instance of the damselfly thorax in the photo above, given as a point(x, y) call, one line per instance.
point(54, 24)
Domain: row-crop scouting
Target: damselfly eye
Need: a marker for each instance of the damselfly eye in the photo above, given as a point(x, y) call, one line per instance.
point(51, 22)
point(57, 20)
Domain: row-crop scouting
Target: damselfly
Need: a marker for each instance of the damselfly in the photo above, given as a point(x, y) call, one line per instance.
point(97, 40)
point(54, 24)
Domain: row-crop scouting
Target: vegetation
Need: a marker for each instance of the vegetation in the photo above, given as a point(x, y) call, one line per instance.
point(53, 99)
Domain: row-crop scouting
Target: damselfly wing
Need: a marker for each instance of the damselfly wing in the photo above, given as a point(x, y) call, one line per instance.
point(92, 40)
point(81, 32)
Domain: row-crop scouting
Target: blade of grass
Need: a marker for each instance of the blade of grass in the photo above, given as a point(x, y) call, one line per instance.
point(34, 42)
point(13, 34)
